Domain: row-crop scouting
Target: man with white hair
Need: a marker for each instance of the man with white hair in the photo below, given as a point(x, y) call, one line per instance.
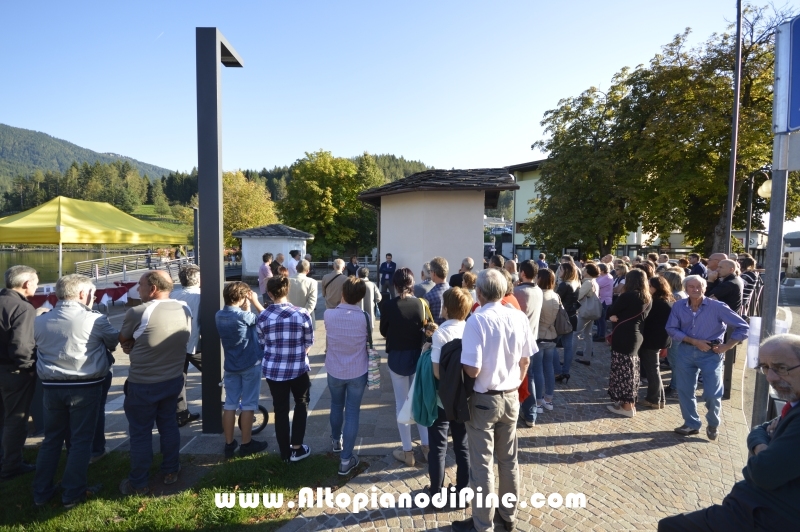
point(767, 498)
point(426, 283)
point(17, 366)
point(332, 285)
point(496, 349)
point(276, 264)
point(189, 293)
point(74, 345)
point(698, 324)
point(303, 290)
point(457, 279)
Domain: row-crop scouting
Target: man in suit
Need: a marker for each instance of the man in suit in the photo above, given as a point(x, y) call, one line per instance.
point(303, 290)
point(386, 274)
point(767, 498)
point(276, 264)
point(372, 296)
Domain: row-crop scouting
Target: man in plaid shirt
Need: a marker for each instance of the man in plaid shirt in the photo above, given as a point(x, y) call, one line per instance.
point(286, 333)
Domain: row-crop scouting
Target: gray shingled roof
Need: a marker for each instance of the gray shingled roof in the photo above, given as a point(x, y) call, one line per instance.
point(276, 230)
point(491, 180)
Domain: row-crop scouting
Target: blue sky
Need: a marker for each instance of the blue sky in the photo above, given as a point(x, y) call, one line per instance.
point(454, 84)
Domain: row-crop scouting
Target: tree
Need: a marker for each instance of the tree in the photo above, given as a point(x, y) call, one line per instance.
point(655, 149)
point(322, 199)
point(245, 204)
point(586, 192)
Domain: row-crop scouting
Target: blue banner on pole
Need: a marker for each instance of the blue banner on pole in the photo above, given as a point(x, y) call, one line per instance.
point(794, 80)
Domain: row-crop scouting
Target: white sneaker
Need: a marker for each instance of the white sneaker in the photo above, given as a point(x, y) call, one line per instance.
point(539, 410)
point(548, 406)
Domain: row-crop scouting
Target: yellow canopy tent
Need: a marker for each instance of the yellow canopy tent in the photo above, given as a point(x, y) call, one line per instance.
point(71, 221)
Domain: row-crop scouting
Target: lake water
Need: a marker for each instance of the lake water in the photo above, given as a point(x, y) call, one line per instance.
point(46, 262)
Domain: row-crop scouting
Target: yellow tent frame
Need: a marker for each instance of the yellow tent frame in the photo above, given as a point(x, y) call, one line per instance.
point(71, 221)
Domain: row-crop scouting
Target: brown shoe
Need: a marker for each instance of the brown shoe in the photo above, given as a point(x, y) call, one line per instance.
point(424, 450)
point(404, 456)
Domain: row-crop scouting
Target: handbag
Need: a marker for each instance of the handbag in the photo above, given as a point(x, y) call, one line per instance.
point(591, 308)
point(374, 361)
point(610, 335)
point(562, 323)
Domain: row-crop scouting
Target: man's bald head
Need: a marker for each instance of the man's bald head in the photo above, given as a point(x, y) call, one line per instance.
point(155, 284)
point(713, 260)
point(726, 267)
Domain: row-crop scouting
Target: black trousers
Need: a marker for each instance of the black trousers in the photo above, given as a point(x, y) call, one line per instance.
point(300, 389)
point(16, 394)
point(730, 516)
point(649, 363)
point(437, 435)
point(197, 362)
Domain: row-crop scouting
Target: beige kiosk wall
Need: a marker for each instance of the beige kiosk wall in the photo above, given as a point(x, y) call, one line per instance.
point(417, 226)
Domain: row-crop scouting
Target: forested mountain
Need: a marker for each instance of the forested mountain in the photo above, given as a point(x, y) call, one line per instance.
point(23, 151)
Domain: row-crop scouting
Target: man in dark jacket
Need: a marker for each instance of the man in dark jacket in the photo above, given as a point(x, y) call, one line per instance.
point(729, 288)
point(767, 498)
point(17, 366)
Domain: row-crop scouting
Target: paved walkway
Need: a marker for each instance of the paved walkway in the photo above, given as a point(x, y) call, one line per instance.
point(632, 471)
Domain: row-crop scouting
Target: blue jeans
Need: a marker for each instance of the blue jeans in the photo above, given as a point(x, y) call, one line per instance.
point(144, 405)
point(73, 409)
point(346, 397)
point(688, 363)
point(567, 340)
point(601, 323)
point(99, 440)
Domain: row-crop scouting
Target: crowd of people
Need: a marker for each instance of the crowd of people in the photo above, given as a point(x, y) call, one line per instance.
point(462, 348)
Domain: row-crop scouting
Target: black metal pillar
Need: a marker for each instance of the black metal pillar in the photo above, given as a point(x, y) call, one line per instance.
point(211, 50)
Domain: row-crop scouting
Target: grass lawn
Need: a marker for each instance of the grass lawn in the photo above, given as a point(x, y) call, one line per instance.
point(190, 509)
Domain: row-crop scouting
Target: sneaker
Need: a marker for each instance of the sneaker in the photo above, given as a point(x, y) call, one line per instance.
point(298, 454)
point(548, 406)
point(91, 491)
point(230, 448)
point(172, 478)
point(529, 424)
point(539, 409)
point(337, 445)
point(345, 468)
point(712, 433)
point(126, 488)
point(253, 447)
point(100, 456)
point(686, 431)
point(186, 417)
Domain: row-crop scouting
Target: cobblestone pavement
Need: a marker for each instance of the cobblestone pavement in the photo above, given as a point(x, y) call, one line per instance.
point(632, 471)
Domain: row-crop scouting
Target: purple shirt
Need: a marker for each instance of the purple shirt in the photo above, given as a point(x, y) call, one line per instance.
point(346, 341)
point(708, 323)
point(606, 284)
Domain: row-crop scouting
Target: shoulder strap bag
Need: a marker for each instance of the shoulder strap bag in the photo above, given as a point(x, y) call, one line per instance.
point(611, 334)
point(374, 360)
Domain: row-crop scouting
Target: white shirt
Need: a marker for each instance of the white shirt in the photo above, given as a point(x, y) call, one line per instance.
point(449, 330)
point(190, 296)
point(494, 341)
point(291, 265)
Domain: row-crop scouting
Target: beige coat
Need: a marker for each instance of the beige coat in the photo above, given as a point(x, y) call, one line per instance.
point(332, 288)
point(371, 298)
point(303, 293)
point(547, 319)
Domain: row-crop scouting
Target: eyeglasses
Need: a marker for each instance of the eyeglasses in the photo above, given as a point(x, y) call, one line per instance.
point(781, 371)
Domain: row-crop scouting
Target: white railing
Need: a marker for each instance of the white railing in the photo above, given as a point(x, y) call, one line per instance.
point(120, 264)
